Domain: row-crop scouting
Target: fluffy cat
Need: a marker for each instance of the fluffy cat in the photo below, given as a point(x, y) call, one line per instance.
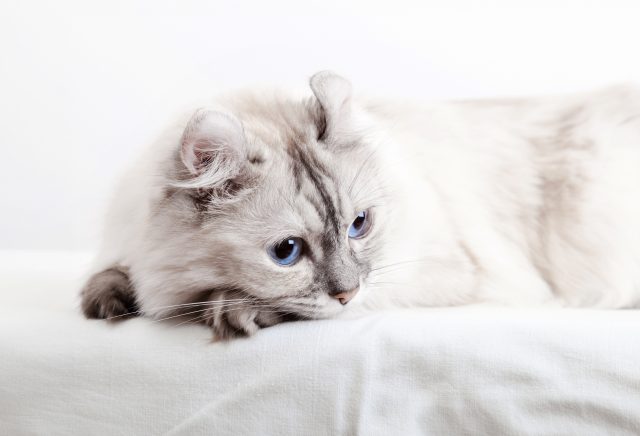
point(267, 207)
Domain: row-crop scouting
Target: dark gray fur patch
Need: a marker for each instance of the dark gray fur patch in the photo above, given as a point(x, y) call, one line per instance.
point(336, 270)
point(305, 163)
point(109, 295)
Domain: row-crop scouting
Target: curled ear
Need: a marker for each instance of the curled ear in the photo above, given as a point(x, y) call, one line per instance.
point(333, 93)
point(212, 149)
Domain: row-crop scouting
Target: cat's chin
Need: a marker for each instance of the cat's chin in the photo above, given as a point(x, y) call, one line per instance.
point(331, 308)
point(327, 311)
point(328, 307)
point(354, 309)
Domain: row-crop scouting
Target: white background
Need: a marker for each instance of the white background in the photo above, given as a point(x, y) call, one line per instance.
point(84, 85)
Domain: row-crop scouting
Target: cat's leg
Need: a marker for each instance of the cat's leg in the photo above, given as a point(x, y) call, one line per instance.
point(109, 295)
point(232, 314)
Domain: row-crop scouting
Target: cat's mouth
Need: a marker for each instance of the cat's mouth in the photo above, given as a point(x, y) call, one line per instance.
point(324, 305)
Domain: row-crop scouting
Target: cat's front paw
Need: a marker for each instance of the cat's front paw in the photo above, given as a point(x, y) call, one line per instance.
point(230, 315)
point(109, 295)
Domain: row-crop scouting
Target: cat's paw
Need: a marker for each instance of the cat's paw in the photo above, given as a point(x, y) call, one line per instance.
point(109, 295)
point(230, 318)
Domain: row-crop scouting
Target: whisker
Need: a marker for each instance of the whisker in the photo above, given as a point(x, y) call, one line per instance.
point(364, 163)
point(378, 285)
point(178, 306)
point(202, 310)
point(180, 314)
point(400, 263)
point(373, 195)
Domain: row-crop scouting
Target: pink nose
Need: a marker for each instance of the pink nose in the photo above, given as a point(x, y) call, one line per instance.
point(346, 296)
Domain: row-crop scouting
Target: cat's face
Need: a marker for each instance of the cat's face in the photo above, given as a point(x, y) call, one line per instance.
point(281, 200)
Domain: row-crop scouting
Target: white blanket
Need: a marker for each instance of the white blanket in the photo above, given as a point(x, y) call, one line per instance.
point(445, 371)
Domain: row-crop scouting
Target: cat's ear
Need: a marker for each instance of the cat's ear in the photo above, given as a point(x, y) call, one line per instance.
point(213, 147)
point(333, 93)
point(211, 137)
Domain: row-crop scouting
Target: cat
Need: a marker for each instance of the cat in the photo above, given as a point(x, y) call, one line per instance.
point(267, 207)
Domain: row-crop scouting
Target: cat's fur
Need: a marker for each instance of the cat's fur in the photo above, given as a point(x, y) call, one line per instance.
point(530, 201)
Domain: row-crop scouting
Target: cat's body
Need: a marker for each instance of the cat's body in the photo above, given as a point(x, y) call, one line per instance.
point(511, 202)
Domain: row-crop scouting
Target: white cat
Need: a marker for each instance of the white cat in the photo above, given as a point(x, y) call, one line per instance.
point(268, 207)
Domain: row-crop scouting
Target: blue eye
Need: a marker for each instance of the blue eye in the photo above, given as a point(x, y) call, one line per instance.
point(286, 252)
point(360, 226)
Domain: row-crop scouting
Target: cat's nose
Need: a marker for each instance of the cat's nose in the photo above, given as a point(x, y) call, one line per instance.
point(345, 296)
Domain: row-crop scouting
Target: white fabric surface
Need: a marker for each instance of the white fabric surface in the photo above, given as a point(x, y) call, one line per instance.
point(445, 371)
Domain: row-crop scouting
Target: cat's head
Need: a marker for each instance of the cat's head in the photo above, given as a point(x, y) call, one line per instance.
point(278, 198)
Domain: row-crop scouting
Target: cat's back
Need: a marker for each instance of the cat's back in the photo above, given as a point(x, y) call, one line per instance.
point(555, 177)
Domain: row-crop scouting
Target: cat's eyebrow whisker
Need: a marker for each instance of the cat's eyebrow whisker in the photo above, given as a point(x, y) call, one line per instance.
point(380, 192)
point(362, 166)
point(385, 190)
